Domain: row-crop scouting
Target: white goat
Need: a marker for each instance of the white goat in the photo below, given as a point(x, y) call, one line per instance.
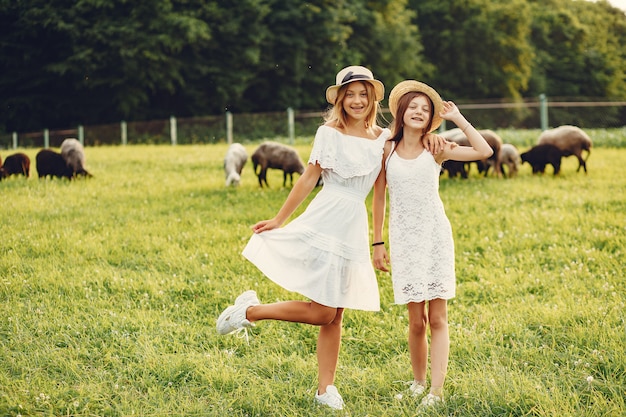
point(509, 156)
point(235, 159)
point(73, 153)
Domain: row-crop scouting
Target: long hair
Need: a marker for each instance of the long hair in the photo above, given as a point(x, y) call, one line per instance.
point(397, 128)
point(337, 114)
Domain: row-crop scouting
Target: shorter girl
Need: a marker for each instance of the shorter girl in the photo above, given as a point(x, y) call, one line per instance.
point(420, 236)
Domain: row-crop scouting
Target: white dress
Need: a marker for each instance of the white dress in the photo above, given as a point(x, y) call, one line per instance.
point(324, 253)
point(420, 236)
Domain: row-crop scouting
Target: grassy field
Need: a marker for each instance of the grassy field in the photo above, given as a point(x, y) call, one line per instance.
point(110, 288)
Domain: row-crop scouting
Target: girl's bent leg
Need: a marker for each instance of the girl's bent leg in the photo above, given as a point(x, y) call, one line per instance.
point(418, 344)
point(328, 345)
point(440, 344)
point(307, 312)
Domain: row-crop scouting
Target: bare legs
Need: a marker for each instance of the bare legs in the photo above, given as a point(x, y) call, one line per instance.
point(328, 344)
point(437, 318)
point(329, 340)
point(418, 343)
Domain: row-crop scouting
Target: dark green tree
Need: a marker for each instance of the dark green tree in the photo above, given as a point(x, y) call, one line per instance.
point(479, 47)
point(387, 38)
point(580, 49)
point(67, 62)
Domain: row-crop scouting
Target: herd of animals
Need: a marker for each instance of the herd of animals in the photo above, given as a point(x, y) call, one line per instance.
point(552, 146)
point(67, 164)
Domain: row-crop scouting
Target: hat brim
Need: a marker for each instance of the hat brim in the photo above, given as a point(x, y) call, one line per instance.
point(379, 89)
point(412, 86)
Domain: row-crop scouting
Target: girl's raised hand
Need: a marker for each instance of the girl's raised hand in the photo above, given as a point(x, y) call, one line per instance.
point(449, 111)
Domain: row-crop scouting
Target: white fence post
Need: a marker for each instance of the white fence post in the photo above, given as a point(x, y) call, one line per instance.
point(291, 125)
point(46, 138)
point(14, 140)
point(543, 111)
point(81, 134)
point(124, 130)
point(229, 127)
point(173, 131)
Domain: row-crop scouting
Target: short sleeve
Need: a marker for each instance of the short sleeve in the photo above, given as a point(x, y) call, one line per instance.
point(324, 149)
point(347, 156)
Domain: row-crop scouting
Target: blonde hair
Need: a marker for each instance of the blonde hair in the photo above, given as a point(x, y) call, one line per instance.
point(338, 115)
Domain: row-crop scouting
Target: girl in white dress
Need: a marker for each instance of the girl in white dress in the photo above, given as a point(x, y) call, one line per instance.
point(420, 236)
point(324, 254)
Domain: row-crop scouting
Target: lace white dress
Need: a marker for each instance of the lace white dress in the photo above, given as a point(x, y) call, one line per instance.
point(420, 235)
point(324, 253)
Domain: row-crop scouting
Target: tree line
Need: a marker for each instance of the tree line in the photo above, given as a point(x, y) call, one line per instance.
point(79, 62)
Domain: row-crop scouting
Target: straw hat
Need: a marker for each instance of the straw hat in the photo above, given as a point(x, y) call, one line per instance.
point(410, 86)
point(354, 73)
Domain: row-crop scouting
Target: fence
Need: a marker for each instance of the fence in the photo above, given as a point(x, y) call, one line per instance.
point(248, 127)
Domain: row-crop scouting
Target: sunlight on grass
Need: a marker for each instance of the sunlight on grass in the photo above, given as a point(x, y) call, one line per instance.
point(111, 287)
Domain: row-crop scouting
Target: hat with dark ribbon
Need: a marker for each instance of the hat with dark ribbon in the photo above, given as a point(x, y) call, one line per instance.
point(351, 74)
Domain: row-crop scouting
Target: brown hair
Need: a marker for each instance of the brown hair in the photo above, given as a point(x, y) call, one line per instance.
point(397, 128)
point(338, 115)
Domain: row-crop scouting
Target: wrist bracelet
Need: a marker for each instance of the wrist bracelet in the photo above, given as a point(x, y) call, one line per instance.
point(466, 126)
point(378, 243)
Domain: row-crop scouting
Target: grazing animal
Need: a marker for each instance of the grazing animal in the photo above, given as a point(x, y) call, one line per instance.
point(571, 140)
point(540, 155)
point(16, 164)
point(495, 142)
point(277, 156)
point(235, 159)
point(74, 154)
point(455, 168)
point(51, 163)
point(509, 156)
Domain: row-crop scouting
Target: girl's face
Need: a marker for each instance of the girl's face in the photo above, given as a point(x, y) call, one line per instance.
point(418, 113)
point(355, 102)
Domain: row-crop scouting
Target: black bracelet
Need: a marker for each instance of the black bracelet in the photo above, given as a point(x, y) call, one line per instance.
point(378, 243)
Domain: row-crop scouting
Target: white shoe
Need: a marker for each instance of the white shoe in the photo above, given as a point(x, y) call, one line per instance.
point(431, 400)
point(248, 297)
point(416, 389)
point(330, 398)
point(234, 317)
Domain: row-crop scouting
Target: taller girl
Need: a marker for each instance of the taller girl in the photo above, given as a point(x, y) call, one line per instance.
point(323, 254)
point(420, 236)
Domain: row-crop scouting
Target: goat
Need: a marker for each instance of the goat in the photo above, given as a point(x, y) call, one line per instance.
point(18, 164)
point(277, 156)
point(455, 168)
point(51, 163)
point(73, 153)
point(540, 155)
point(509, 156)
point(235, 159)
point(571, 140)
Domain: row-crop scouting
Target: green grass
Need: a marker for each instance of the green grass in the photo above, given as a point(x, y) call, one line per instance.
point(110, 288)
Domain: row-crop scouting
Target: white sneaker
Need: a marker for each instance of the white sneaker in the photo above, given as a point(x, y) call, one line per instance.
point(330, 398)
point(416, 389)
point(248, 297)
point(234, 317)
point(431, 400)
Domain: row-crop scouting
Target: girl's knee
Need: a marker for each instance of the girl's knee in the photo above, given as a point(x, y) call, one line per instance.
point(327, 316)
point(438, 321)
point(418, 326)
